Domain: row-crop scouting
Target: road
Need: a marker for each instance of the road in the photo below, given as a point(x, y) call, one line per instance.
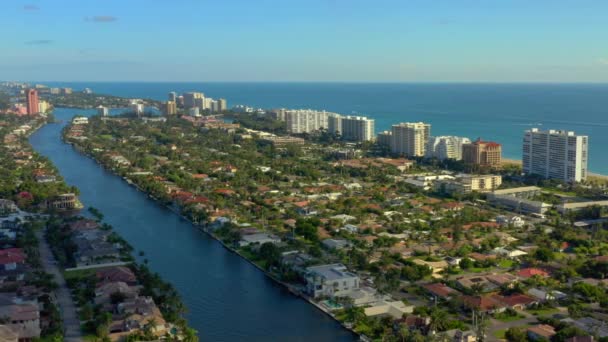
point(69, 314)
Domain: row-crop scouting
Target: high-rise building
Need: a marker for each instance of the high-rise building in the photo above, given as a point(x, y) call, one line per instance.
point(277, 114)
point(445, 147)
point(31, 96)
point(194, 111)
point(172, 96)
point(43, 106)
point(482, 153)
point(410, 138)
point(137, 108)
point(190, 99)
point(170, 108)
point(305, 120)
point(334, 123)
point(555, 154)
point(357, 128)
point(215, 106)
point(223, 105)
point(207, 103)
point(103, 111)
point(385, 138)
point(66, 91)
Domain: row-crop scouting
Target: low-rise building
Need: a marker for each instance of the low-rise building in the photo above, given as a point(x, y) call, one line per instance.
point(330, 280)
point(258, 238)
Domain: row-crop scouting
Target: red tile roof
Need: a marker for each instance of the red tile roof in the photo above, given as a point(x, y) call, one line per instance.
point(12, 255)
point(530, 272)
point(440, 290)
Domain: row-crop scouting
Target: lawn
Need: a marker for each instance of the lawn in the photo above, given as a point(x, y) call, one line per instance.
point(505, 317)
point(500, 334)
point(544, 311)
point(79, 274)
point(506, 263)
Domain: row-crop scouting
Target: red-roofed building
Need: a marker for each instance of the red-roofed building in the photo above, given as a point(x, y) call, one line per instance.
point(483, 153)
point(10, 258)
point(84, 224)
point(531, 272)
point(486, 303)
point(116, 274)
point(518, 301)
point(439, 290)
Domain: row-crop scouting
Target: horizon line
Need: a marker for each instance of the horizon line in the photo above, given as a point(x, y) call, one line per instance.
point(329, 82)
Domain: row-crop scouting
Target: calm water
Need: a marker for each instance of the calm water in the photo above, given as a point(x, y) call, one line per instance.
point(499, 112)
point(229, 300)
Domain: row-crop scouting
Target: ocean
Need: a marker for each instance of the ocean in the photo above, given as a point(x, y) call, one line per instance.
point(498, 112)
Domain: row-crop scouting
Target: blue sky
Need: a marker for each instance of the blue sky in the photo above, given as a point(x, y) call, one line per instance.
point(305, 40)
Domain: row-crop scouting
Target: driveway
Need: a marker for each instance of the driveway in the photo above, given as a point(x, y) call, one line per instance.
point(69, 314)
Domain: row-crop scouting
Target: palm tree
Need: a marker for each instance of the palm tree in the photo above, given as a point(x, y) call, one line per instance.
point(438, 320)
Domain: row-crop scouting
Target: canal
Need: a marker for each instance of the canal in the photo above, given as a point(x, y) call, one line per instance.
point(228, 299)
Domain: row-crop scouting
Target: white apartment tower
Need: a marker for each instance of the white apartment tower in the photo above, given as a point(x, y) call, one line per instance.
point(357, 128)
point(555, 154)
point(445, 147)
point(410, 138)
point(305, 120)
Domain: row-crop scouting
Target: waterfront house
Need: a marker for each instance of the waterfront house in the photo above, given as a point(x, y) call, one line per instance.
point(393, 309)
point(104, 293)
point(258, 238)
point(330, 280)
point(115, 274)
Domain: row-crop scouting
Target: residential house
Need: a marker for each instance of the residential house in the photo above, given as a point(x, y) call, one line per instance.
point(22, 319)
point(330, 280)
point(259, 239)
point(336, 244)
point(115, 274)
point(540, 332)
point(441, 291)
point(393, 309)
point(531, 272)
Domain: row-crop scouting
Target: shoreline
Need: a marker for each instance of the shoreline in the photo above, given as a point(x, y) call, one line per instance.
point(292, 289)
point(591, 175)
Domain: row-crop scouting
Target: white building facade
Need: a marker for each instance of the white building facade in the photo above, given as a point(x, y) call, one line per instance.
point(410, 138)
point(445, 147)
point(305, 120)
point(555, 154)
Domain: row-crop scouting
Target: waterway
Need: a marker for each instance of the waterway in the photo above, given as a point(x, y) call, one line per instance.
point(228, 298)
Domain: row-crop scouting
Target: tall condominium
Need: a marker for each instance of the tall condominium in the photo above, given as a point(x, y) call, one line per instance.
point(334, 123)
point(385, 138)
point(305, 120)
point(555, 154)
point(170, 108)
point(103, 111)
point(190, 99)
point(172, 96)
point(32, 101)
point(482, 153)
point(357, 128)
point(222, 105)
point(410, 138)
point(445, 147)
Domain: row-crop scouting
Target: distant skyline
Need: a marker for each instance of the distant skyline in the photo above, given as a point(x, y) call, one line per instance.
point(312, 40)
